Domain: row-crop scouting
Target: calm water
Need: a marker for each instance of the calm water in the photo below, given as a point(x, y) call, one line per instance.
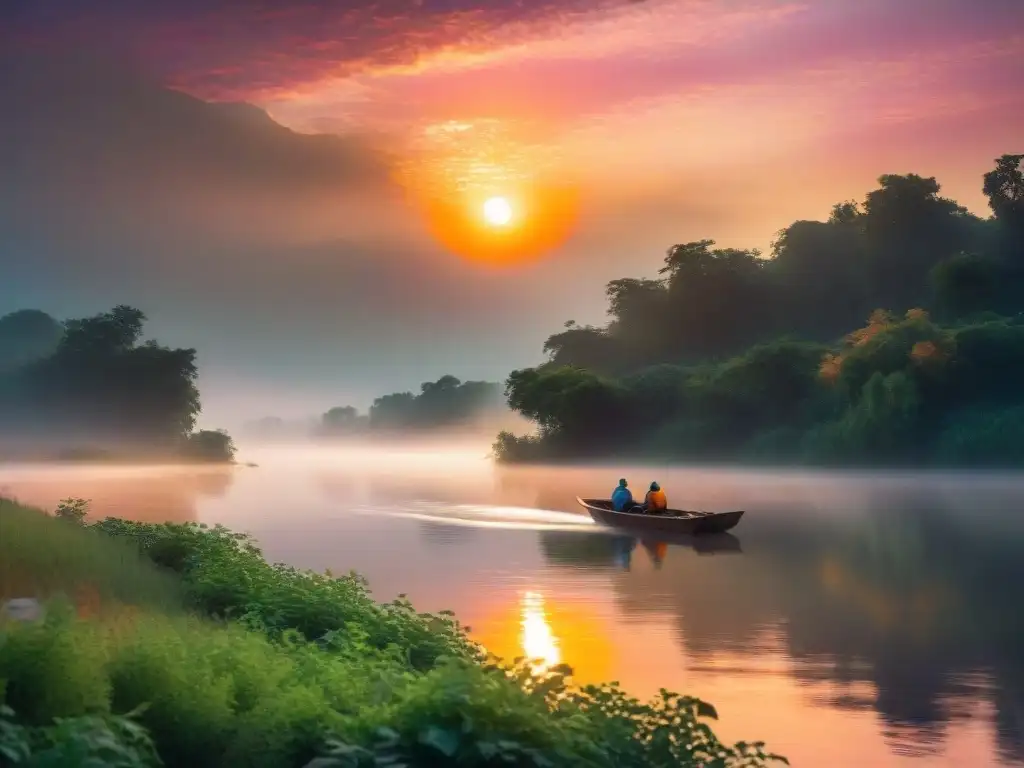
point(851, 621)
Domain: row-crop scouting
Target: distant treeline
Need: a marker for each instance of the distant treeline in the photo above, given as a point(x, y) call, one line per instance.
point(443, 404)
point(891, 333)
point(91, 388)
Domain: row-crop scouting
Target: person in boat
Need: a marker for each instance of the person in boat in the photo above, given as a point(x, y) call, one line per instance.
point(622, 497)
point(655, 500)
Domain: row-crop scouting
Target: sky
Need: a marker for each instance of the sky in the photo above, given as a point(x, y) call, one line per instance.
point(312, 271)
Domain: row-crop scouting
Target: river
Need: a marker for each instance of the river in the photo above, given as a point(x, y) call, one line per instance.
point(853, 620)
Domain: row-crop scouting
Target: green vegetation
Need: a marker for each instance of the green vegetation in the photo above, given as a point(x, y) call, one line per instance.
point(92, 388)
point(45, 558)
point(273, 666)
point(730, 356)
point(445, 403)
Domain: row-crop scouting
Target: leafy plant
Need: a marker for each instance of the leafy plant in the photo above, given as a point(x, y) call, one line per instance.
point(73, 510)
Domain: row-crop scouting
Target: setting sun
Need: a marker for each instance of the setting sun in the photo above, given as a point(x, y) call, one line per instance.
point(497, 211)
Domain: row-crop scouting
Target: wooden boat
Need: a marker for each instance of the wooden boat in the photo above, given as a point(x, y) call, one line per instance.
point(676, 521)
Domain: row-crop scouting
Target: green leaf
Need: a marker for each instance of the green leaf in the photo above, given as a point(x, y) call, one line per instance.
point(706, 710)
point(444, 741)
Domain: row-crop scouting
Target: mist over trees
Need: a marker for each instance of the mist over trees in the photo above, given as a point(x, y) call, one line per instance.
point(890, 333)
point(447, 403)
point(92, 385)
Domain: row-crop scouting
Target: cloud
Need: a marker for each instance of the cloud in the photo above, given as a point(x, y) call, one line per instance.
point(100, 143)
point(302, 263)
point(229, 49)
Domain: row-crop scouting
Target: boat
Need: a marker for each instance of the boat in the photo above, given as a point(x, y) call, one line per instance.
point(676, 521)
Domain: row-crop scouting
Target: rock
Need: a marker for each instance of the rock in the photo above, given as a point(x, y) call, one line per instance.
point(24, 609)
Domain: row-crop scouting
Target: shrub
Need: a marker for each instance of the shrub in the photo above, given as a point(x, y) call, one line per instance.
point(112, 742)
point(213, 445)
point(72, 510)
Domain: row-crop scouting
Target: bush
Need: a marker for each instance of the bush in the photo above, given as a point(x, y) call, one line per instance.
point(524, 449)
point(72, 510)
point(213, 445)
point(112, 742)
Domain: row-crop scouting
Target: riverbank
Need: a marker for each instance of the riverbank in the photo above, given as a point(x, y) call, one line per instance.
point(208, 446)
point(221, 658)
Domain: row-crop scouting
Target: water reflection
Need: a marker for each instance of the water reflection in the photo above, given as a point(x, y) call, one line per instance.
point(614, 550)
point(913, 600)
point(148, 494)
point(540, 646)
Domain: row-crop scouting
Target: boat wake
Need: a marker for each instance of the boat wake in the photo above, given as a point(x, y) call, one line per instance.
point(485, 516)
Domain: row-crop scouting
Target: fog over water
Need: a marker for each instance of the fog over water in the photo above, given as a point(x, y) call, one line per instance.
point(854, 619)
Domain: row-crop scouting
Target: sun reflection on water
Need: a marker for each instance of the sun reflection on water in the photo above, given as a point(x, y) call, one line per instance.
point(539, 643)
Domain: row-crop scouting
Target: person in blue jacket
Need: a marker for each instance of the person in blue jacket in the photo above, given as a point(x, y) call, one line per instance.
point(622, 497)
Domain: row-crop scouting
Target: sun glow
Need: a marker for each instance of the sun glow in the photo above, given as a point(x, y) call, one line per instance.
point(538, 641)
point(488, 194)
point(497, 211)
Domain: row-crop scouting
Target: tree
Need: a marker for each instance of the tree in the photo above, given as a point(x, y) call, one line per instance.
point(101, 385)
point(817, 271)
point(639, 312)
point(571, 404)
point(719, 299)
point(447, 402)
point(908, 229)
point(343, 420)
point(584, 346)
point(213, 445)
point(712, 360)
point(1004, 188)
point(26, 336)
point(968, 284)
point(394, 411)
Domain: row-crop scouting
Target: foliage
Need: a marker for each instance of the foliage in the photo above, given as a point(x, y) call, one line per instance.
point(983, 437)
point(92, 383)
point(447, 402)
point(45, 557)
point(729, 355)
point(213, 445)
point(821, 279)
point(883, 394)
point(224, 575)
point(311, 672)
point(87, 741)
point(27, 336)
point(344, 420)
point(72, 510)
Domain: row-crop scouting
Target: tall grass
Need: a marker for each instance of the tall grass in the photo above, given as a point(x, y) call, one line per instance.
point(44, 557)
point(279, 667)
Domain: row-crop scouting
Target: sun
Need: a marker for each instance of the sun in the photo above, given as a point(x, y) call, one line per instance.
point(497, 211)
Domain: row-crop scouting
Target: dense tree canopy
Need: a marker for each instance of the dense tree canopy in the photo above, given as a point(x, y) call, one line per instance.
point(94, 383)
point(445, 403)
point(894, 250)
point(728, 354)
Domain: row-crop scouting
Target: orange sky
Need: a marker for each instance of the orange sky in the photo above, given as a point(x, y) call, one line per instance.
point(617, 128)
point(779, 108)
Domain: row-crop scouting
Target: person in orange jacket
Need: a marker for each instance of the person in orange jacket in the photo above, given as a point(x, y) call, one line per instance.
point(656, 500)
